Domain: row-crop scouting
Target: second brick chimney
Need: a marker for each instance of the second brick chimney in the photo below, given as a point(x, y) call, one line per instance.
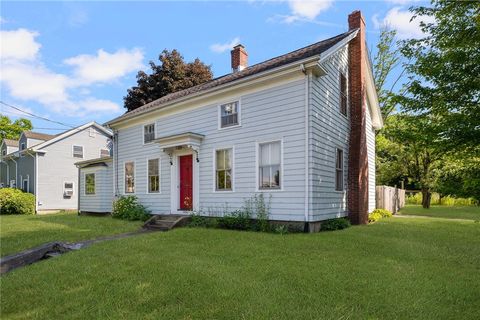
point(239, 58)
point(357, 157)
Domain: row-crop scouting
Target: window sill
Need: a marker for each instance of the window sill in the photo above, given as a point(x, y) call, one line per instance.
point(229, 127)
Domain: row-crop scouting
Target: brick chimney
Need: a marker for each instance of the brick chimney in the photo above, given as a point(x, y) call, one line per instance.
point(357, 156)
point(239, 58)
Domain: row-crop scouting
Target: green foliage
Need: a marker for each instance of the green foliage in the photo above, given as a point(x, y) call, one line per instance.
point(171, 75)
point(443, 201)
point(12, 130)
point(128, 208)
point(383, 212)
point(15, 201)
point(256, 206)
point(374, 216)
point(281, 229)
point(236, 220)
point(444, 71)
point(335, 224)
point(202, 221)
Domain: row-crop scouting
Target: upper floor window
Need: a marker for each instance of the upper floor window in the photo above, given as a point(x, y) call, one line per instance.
point(129, 177)
point(22, 146)
point(223, 170)
point(104, 153)
point(269, 165)
point(90, 183)
point(153, 175)
point(77, 151)
point(339, 170)
point(149, 133)
point(229, 114)
point(343, 94)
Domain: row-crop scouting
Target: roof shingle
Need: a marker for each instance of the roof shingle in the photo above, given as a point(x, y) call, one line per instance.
point(297, 55)
point(38, 135)
point(11, 142)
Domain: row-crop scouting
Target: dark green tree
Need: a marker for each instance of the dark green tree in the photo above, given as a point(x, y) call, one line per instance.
point(12, 130)
point(444, 72)
point(171, 75)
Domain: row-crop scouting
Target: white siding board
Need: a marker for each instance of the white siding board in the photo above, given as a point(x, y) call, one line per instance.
point(371, 161)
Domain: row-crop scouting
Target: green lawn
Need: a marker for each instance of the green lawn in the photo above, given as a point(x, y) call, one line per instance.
point(471, 213)
point(393, 269)
point(20, 232)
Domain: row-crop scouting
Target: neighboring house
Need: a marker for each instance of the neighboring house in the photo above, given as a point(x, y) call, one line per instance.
point(298, 128)
point(43, 164)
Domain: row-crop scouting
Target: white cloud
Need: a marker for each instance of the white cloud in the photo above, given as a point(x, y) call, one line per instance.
point(19, 45)
point(399, 19)
point(222, 47)
point(308, 9)
point(26, 77)
point(104, 66)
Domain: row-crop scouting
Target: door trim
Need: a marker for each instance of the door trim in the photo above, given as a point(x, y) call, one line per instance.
point(175, 185)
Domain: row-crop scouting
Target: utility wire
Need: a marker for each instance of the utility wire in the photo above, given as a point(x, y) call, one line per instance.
point(35, 116)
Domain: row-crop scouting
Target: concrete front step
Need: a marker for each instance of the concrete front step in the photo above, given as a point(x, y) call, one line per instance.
point(165, 222)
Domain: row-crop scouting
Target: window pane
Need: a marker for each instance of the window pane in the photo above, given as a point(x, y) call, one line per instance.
point(264, 175)
point(227, 155)
point(104, 153)
point(153, 167)
point(275, 153)
point(129, 177)
point(229, 114)
point(90, 183)
point(77, 151)
point(264, 158)
point(220, 159)
point(221, 180)
point(153, 175)
point(149, 133)
point(275, 182)
point(228, 179)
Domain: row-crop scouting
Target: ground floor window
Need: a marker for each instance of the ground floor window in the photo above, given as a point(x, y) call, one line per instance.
point(90, 183)
point(339, 170)
point(129, 177)
point(154, 175)
point(223, 171)
point(270, 164)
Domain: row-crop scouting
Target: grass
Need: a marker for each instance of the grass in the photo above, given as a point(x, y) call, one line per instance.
point(396, 268)
point(20, 232)
point(470, 212)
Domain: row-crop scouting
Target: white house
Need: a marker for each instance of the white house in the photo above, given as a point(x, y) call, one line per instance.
point(44, 164)
point(298, 128)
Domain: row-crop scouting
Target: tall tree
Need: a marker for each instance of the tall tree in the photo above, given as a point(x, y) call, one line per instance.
point(171, 75)
point(12, 130)
point(444, 71)
point(385, 61)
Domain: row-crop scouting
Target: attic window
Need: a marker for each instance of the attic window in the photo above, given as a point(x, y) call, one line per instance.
point(343, 94)
point(4, 152)
point(148, 133)
point(22, 146)
point(78, 152)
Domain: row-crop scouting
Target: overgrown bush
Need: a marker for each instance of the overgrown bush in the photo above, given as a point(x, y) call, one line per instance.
point(236, 220)
point(374, 216)
point(204, 222)
point(335, 224)
point(436, 200)
point(15, 201)
point(128, 208)
point(384, 213)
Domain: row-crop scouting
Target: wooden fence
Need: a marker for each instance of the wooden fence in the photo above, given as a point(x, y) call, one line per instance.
point(390, 198)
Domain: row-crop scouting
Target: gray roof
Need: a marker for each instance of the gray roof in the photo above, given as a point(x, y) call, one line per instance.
point(38, 135)
point(297, 55)
point(11, 142)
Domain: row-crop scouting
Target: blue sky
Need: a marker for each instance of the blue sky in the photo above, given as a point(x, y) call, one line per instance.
point(74, 61)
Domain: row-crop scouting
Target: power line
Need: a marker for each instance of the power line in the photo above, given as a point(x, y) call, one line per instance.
point(35, 116)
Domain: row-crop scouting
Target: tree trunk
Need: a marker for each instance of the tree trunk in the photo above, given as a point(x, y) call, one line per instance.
point(426, 197)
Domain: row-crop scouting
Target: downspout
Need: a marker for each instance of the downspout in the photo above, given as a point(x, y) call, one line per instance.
point(16, 174)
point(35, 171)
point(78, 192)
point(307, 144)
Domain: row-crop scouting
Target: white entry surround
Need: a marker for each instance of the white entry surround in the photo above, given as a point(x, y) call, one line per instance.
point(174, 146)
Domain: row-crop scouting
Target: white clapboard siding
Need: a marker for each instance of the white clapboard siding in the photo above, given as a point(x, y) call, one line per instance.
point(271, 114)
point(329, 130)
point(371, 161)
point(102, 200)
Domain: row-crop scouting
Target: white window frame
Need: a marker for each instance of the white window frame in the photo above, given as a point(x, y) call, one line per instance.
point(23, 146)
point(343, 170)
point(134, 178)
point(83, 151)
point(106, 149)
point(257, 166)
point(28, 183)
point(214, 168)
point(85, 184)
point(239, 112)
point(159, 175)
point(73, 186)
point(154, 132)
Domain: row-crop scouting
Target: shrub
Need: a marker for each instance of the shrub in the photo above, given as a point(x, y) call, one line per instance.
point(237, 220)
point(383, 212)
point(335, 224)
point(443, 201)
point(15, 201)
point(374, 216)
point(281, 229)
point(128, 208)
point(204, 222)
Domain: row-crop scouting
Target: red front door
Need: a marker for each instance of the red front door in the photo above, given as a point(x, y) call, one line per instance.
point(186, 182)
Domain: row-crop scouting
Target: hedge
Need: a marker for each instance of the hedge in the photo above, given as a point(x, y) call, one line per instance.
point(15, 201)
